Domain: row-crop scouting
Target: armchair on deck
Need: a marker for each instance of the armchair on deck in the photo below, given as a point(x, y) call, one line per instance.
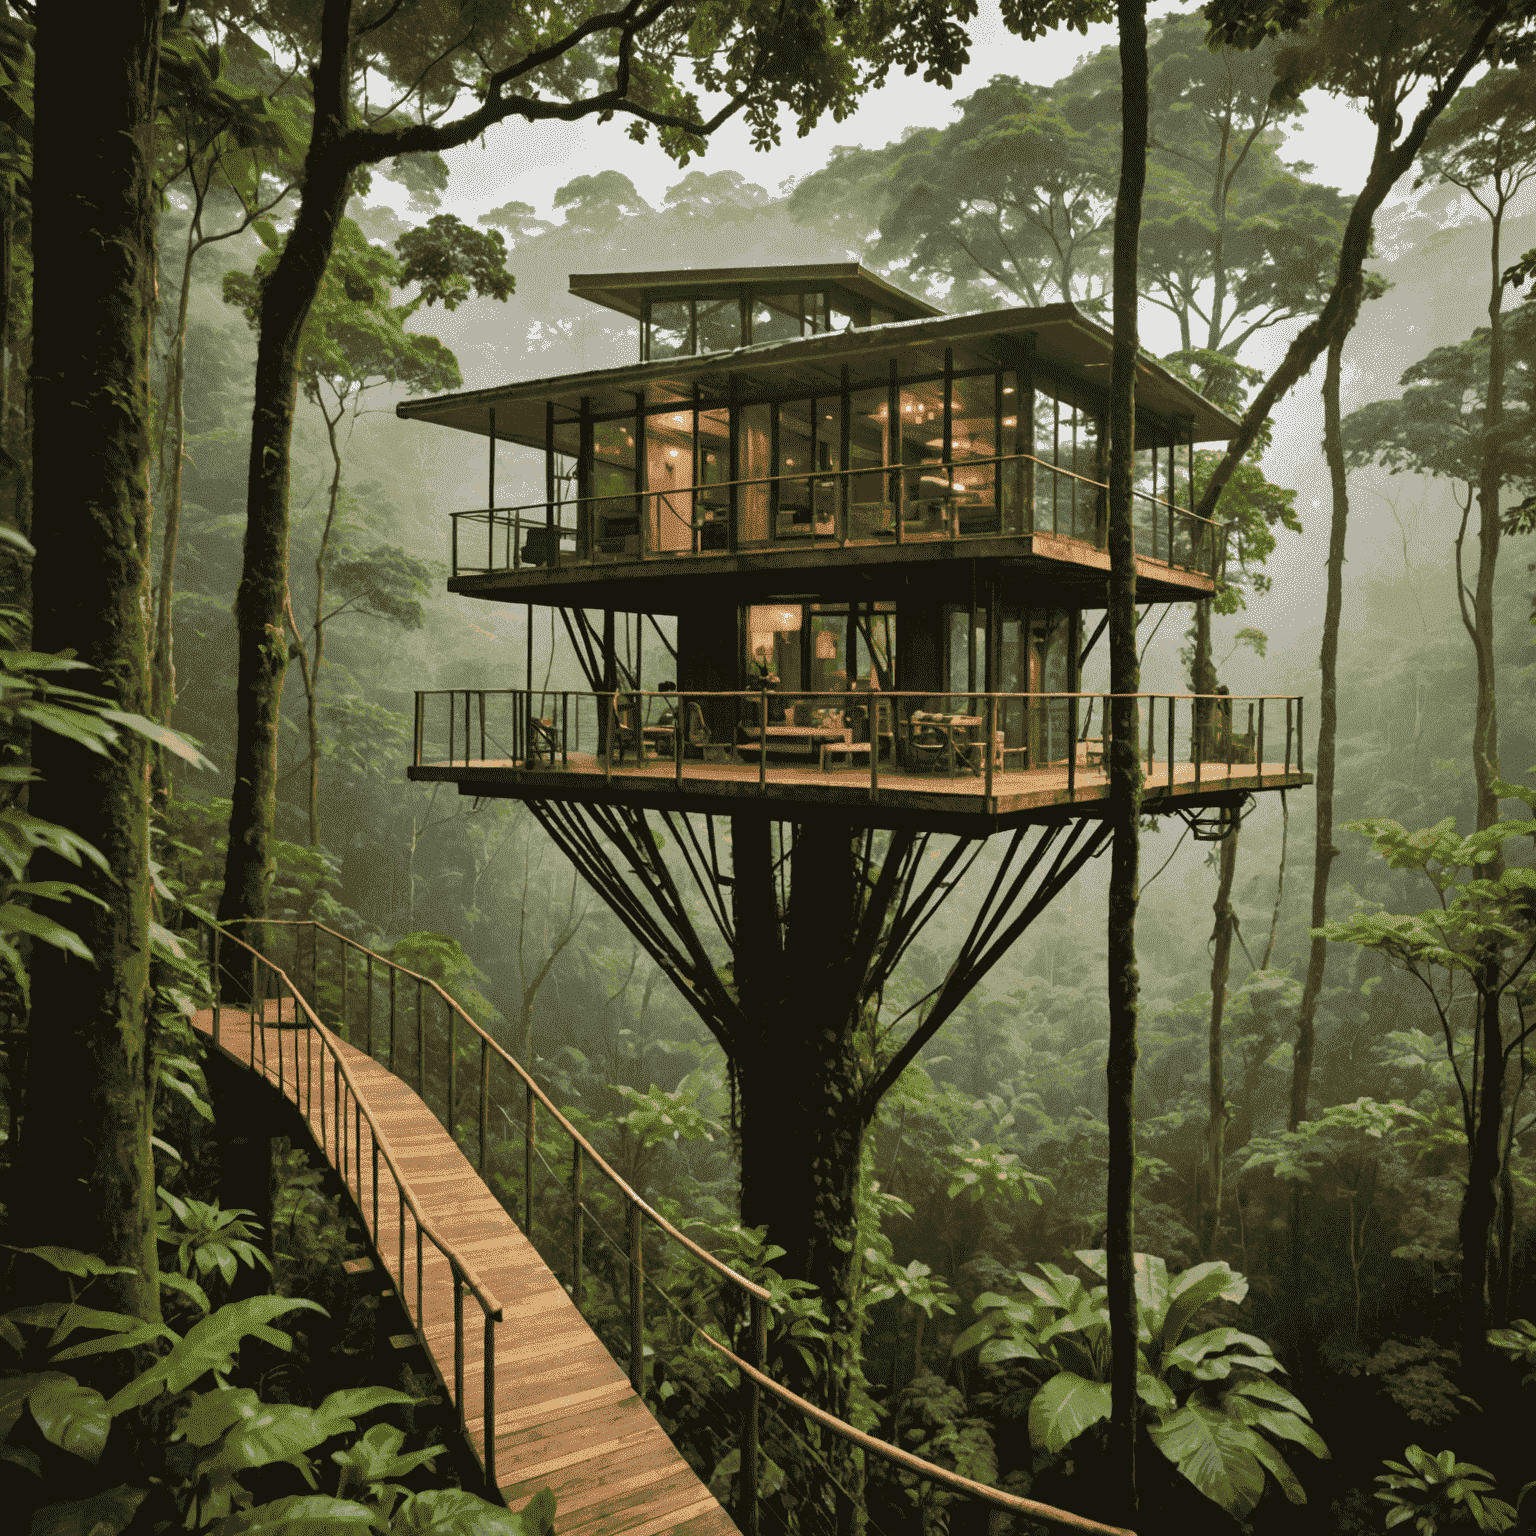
point(543, 742)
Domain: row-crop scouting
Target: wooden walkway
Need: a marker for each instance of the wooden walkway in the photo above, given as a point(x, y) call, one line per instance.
point(565, 1416)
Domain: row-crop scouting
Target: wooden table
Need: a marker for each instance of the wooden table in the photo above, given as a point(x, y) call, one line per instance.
point(949, 724)
point(811, 736)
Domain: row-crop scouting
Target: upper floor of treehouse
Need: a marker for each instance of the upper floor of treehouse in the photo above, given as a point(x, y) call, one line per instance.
point(813, 430)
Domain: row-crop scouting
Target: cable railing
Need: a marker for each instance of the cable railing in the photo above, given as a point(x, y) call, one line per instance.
point(861, 505)
point(904, 739)
point(341, 1118)
point(380, 1003)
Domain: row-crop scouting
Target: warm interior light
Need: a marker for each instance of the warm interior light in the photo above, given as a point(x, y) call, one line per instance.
point(826, 646)
point(1008, 389)
point(682, 421)
point(1010, 421)
point(673, 452)
point(763, 621)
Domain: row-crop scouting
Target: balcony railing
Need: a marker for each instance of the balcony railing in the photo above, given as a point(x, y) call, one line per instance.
point(998, 743)
point(1011, 495)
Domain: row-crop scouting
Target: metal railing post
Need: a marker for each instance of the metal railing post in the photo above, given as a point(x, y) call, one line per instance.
point(577, 1251)
point(1258, 747)
point(528, 1149)
point(218, 986)
point(989, 746)
point(636, 1303)
point(1072, 748)
point(391, 1018)
point(1301, 766)
point(679, 725)
point(485, 1098)
point(421, 1046)
point(747, 1514)
point(368, 1016)
point(1287, 738)
point(458, 1342)
point(490, 1407)
point(762, 742)
point(453, 1074)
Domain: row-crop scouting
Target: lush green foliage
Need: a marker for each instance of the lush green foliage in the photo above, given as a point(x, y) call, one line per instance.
point(1433, 1491)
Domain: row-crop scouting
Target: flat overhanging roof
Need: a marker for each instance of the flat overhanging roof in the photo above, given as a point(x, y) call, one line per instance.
point(626, 291)
point(1061, 345)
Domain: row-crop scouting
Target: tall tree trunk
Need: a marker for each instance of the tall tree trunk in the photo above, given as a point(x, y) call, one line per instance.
point(85, 1175)
point(1216, 1082)
point(1485, 732)
point(1325, 759)
point(162, 667)
point(1389, 164)
point(1124, 760)
point(802, 1071)
point(262, 594)
point(1476, 1220)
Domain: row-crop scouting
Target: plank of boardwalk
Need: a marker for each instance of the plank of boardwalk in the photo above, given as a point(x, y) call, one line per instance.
point(565, 1416)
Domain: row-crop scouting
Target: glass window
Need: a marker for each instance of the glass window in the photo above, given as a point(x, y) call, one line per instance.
point(797, 458)
point(879, 316)
point(925, 492)
point(869, 504)
point(669, 470)
point(752, 447)
point(613, 480)
point(773, 645)
point(671, 328)
point(776, 317)
point(1013, 442)
point(718, 323)
point(973, 436)
point(712, 502)
point(845, 313)
point(829, 655)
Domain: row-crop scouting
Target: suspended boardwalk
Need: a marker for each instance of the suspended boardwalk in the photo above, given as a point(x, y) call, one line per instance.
point(565, 1416)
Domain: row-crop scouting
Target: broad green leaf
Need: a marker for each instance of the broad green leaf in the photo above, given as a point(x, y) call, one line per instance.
point(1191, 1352)
point(211, 1345)
point(17, 919)
point(304, 1514)
point(73, 1417)
point(14, 1391)
point(1263, 1390)
point(161, 735)
point(342, 1407)
point(28, 1460)
point(103, 1514)
point(1191, 1291)
point(1214, 1453)
point(376, 1458)
point(1278, 1468)
point(171, 1281)
point(454, 1512)
point(1064, 1407)
point(1283, 1425)
point(135, 1338)
point(264, 1433)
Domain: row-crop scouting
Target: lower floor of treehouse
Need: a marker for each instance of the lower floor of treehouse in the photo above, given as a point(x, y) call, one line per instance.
point(840, 779)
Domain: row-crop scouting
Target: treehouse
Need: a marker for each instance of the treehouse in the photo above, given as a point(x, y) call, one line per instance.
point(879, 533)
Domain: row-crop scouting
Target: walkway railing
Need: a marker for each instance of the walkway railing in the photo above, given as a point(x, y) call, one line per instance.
point(402, 1011)
point(1214, 737)
point(998, 496)
point(342, 1114)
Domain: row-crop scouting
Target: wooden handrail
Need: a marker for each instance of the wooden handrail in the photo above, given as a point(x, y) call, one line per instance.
point(996, 1497)
point(722, 1269)
point(483, 1294)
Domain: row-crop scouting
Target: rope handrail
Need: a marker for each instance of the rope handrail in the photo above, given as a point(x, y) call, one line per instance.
point(482, 1293)
point(720, 1267)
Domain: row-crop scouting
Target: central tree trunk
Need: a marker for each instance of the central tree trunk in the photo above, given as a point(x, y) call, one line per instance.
point(85, 1176)
point(1480, 1199)
point(802, 1069)
point(1124, 763)
point(1209, 1183)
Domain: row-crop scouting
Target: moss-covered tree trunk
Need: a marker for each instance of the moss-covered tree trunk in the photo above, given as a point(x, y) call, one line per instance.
point(802, 1069)
point(1210, 1180)
point(261, 600)
point(85, 1175)
point(1124, 760)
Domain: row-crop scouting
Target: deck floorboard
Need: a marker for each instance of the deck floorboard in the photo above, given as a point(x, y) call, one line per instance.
point(565, 1415)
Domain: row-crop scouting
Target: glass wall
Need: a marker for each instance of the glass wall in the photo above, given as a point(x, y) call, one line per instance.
point(754, 456)
point(1014, 478)
point(925, 482)
point(1067, 439)
point(787, 316)
point(669, 472)
point(973, 442)
point(870, 511)
point(671, 328)
point(717, 324)
point(712, 503)
point(615, 521)
point(810, 439)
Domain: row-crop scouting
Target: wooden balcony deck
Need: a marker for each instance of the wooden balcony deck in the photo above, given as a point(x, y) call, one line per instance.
point(565, 1416)
point(937, 800)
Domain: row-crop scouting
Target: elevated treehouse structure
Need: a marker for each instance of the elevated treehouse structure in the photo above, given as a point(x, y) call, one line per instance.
point(878, 533)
